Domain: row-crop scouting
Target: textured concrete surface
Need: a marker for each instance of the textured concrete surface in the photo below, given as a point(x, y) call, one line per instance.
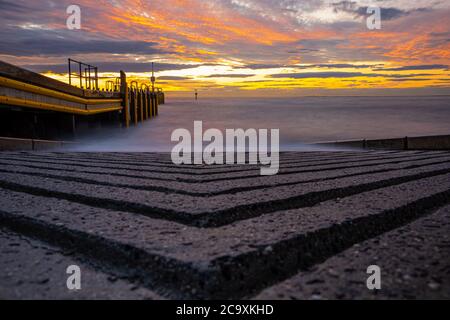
point(32, 269)
point(414, 263)
point(219, 231)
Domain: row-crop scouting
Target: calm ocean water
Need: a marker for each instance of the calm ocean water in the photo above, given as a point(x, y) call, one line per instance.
point(300, 120)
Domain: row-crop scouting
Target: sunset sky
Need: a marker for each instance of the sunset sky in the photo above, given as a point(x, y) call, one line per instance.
point(240, 47)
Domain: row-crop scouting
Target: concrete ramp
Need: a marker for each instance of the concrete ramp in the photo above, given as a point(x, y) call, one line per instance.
point(145, 228)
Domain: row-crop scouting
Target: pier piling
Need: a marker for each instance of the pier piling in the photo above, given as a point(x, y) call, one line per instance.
point(125, 97)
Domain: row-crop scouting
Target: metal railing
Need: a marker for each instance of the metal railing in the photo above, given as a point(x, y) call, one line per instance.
point(85, 73)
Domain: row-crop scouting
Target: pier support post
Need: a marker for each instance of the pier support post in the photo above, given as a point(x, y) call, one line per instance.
point(131, 93)
point(149, 104)
point(141, 104)
point(152, 104)
point(126, 102)
point(135, 111)
point(145, 105)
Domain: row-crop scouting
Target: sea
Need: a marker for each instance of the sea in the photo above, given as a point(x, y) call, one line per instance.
point(301, 121)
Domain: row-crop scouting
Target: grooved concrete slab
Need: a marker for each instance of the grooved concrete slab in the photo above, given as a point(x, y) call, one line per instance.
point(414, 263)
point(213, 231)
point(138, 181)
point(32, 269)
point(188, 205)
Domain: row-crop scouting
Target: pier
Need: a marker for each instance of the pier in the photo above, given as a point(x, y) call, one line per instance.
point(33, 106)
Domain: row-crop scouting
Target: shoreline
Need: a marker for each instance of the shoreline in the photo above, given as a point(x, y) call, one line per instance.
point(433, 142)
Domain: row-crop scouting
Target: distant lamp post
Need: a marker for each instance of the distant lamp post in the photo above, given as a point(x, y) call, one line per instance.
point(153, 79)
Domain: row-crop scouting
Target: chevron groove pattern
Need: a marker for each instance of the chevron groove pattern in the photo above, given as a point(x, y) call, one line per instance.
point(223, 231)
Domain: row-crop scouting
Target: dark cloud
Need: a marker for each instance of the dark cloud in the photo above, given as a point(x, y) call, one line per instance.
point(386, 13)
point(67, 47)
point(302, 50)
point(173, 78)
point(414, 79)
point(20, 12)
point(417, 67)
point(256, 66)
point(320, 65)
point(361, 11)
point(113, 67)
point(332, 49)
point(440, 35)
point(229, 75)
point(8, 6)
point(405, 76)
point(338, 66)
point(317, 44)
point(306, 75)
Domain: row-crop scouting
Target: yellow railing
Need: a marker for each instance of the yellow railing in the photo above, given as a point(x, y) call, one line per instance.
point(54, 107)
point(18, 85)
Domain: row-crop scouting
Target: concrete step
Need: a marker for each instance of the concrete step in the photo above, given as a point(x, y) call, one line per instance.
point(136, 181)
point(219, 209)
point(178, 171)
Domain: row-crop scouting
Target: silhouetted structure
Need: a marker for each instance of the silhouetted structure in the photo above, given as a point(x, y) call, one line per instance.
point(33, 106)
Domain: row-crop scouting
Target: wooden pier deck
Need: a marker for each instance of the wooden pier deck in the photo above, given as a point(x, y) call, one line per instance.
point(141, 227)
